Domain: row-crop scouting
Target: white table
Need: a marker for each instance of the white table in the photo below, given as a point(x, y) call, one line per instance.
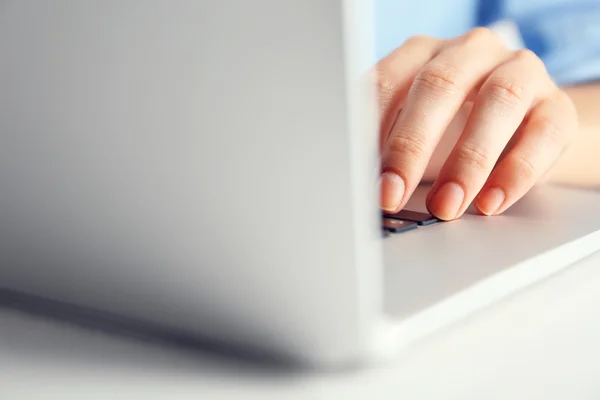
point(543, 343)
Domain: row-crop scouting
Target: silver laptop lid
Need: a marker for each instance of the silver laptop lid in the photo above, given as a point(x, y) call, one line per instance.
point(206, 165)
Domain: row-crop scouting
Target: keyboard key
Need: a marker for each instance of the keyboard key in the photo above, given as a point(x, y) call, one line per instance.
point(397, 226)
point(414, 216)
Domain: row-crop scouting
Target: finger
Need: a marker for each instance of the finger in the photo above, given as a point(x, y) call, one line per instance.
point(540, 142)
point(447, 143)
point(501, 105)
point(435, 96)
point(395, 73)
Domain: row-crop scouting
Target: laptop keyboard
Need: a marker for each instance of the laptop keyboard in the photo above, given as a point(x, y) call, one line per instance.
point(405, 220)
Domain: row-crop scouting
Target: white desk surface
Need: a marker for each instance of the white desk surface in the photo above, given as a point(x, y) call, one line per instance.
point(543, 343)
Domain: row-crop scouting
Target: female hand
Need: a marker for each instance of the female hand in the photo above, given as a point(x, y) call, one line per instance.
point(518, 124)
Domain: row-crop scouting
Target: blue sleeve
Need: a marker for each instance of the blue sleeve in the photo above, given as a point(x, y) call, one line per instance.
point(565, 34)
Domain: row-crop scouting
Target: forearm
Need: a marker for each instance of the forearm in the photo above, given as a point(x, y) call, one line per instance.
point(580, 163)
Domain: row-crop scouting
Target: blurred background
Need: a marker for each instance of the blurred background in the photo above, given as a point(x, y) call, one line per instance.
point(565, 34)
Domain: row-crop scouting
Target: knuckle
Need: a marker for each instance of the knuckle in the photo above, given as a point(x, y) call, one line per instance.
point(528, 57)
point(385, 85)
point(407, 145)
point(438, 78)
point(507, 92)
point(383, 79)
point(418, 40)
point(474, 157)
point(482, 34)
point(549, 131)
point(524, 168)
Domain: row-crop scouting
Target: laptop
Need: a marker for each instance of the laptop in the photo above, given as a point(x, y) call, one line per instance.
point(211, 167)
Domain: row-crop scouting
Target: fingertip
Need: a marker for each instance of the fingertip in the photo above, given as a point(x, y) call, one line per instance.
point(392, 191)
point(447, 202)
point(490, 201)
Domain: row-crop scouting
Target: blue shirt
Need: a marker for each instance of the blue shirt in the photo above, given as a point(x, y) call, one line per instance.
point(565, 34)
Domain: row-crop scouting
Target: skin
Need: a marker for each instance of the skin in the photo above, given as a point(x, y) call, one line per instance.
point(480, 121)
point(580, 165)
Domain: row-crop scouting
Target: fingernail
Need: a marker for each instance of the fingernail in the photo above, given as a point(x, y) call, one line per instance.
point(392, 191)
point(447, 201)
point(490, 201)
